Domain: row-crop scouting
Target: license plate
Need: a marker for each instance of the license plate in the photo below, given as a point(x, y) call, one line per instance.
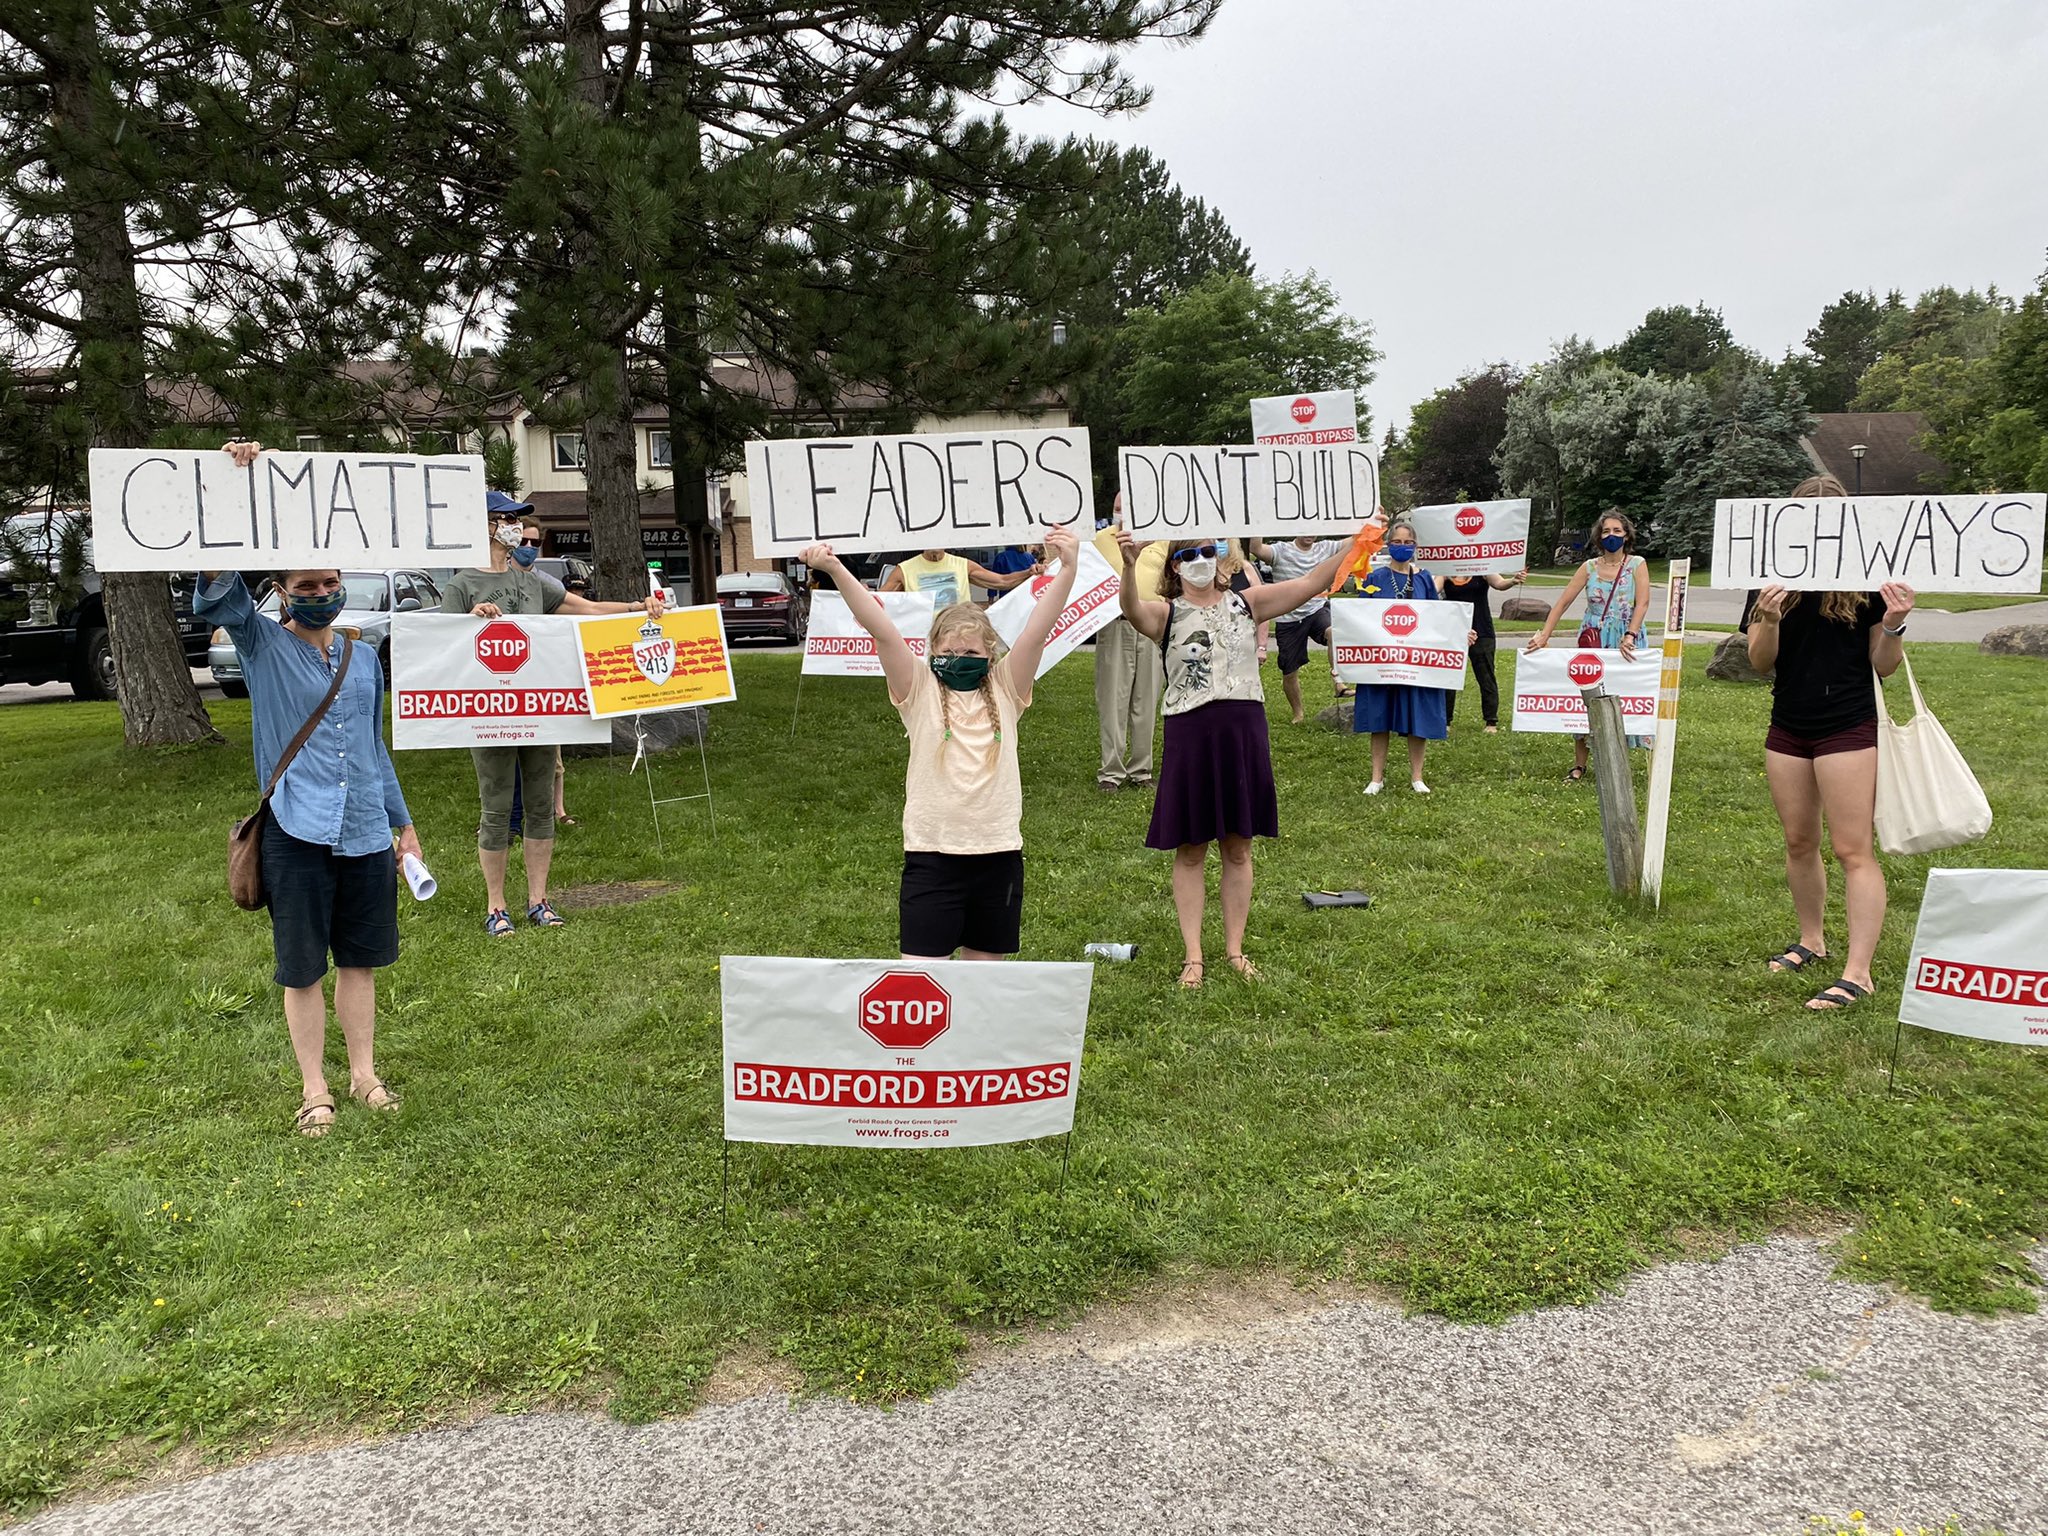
point(743, 602)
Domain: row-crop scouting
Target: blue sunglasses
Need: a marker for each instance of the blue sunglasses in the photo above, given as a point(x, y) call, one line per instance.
point(1199, 552)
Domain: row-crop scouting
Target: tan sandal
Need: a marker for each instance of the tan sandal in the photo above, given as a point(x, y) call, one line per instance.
point(1242, 964)
point(1191, 983)
point(306, 1125)
point(367, 1097)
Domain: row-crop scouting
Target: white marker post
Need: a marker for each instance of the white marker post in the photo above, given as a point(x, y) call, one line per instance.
point(1658, 815)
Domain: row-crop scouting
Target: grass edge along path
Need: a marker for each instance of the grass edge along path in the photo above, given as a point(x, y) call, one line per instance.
point(1496, 1089)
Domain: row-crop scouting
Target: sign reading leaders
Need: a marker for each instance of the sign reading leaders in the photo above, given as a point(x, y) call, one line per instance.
point(836, 646)
point(926, 490)
point(1306, 419)
point(885, 1053)
point(634, 665)
point(1238, 491)
point(1980, 956)
point(1547, 684)
point(458, 681)
point(1419, 644)
point(1963, 543)
point(1473, 538)
point(180, 509)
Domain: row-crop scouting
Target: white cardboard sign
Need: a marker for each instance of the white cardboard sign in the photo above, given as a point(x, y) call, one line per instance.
point(1962, 543)
point(888, 1053)
point(1090, 607)
point(458, 681)
point(191, 509)
point(1238, 491)
point(836, 646)
point(926, 490)
point(1421, 644)
point(1979, 965)
point(1547, 685)
point(1306, 419)
point(1473, 538)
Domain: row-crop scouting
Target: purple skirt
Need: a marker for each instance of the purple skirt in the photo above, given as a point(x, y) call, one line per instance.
point(1215, 777)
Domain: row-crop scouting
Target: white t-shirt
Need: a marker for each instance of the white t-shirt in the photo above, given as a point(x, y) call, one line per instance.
point(1290, 562)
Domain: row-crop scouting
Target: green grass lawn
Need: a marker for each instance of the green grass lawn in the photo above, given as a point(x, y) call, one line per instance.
point(1498, 1088)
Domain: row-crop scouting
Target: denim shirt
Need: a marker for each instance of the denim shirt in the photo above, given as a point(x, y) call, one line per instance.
point(341, 789)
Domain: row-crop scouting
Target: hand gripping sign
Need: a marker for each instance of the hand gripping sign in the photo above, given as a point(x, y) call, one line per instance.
point(1547, 685)
point(1422, 644)
point(458, 681)
point(884, 1053)
point(189, 509)
point(1962, 543)
point(1979, 965)
point(1472, 538)
point(1090, 606)
point(836, 646)
point(634, 665)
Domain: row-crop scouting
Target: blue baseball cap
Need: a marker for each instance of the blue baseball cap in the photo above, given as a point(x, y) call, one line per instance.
point(498, 504)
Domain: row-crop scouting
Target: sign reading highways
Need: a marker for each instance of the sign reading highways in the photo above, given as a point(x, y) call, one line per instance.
point(930, 490)
point(882, 1053)
point(1473, 538)
point(634, 665)
point(457, 681)
point(1421, 644)
point(1547, 685)
point(1979, 964)
point(836, 646)
point(1235, 491)
point(1309, 420)
point(1962, 543)
point(192, 509)
point(1090, 607)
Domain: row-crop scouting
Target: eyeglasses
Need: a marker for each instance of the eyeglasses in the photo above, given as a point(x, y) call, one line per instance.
point(529, 543)
point(1199, 552)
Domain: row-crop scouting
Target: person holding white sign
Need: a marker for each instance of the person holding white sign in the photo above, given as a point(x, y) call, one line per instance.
point(1820, 757)
point(1216, 771)
point(1617, 586)
point(1386, 710)
point(962, 890)
point(1311, 621)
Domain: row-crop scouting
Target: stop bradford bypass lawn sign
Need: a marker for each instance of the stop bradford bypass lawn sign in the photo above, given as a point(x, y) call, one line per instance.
point(877, 1053)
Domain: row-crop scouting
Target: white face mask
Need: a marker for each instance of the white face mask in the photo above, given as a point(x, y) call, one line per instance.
point(508, 534)
point(1198, 573)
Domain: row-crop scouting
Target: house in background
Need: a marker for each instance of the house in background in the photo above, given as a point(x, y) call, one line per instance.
point(1892, 462)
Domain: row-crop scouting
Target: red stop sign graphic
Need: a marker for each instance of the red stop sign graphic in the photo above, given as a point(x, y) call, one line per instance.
point(502, 646)
point(1303, 410)
point(1585, 669)
point(1469, 521)
point(1401, 620)
point(905, 1010)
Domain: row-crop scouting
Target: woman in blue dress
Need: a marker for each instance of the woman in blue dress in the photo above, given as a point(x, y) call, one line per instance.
point(1386, 710)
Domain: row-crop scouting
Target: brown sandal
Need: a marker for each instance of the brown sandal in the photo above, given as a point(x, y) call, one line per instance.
point(1188, 983)
point(1242, 964)
point(367, 1097)
point(306, 1125)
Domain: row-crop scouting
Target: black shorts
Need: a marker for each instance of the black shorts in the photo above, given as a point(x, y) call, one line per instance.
point(961, 901)
point(1294, 639)
point(320, 901)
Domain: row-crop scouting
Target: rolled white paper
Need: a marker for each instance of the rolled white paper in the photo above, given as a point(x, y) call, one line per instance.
point(416, 876)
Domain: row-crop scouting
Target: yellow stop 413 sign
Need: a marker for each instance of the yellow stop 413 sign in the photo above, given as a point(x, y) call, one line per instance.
point(634, 665)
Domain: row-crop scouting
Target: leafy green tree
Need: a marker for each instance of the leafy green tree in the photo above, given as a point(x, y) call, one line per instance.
point(1840, 348)
point(1676, 343)
point(1447, 453)
point(1944, 325)
point(1187, 372)
point(1744, 443)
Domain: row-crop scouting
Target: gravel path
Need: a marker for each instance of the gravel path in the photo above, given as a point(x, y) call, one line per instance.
point(1737, 1396)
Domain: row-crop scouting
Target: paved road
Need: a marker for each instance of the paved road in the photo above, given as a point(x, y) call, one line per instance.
point(1738, 1396)
point(1723, 605)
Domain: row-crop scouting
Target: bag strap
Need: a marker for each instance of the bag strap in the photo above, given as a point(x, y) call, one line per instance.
point(1912, 686)
point(348, 649)
point(1627, 566)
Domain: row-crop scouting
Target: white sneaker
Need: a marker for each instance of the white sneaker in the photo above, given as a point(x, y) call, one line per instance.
point(1418, 786)
point(1374, 787)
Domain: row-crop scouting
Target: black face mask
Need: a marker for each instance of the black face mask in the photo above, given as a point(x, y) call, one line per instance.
point(962, 674)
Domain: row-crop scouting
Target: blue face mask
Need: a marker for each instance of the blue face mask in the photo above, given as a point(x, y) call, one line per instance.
point(315, 612)
point(1611, 542)
point(1401, 554)
point(525, 555)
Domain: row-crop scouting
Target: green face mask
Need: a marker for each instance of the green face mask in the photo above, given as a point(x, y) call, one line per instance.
point(963, 674)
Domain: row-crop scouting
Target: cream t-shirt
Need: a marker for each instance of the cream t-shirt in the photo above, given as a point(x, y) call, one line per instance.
point(962, 795)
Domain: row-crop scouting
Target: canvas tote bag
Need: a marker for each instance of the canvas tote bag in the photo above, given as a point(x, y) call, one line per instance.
point(1927, 798)
point(245, 838)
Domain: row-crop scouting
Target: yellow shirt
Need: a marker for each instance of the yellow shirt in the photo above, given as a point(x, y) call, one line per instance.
point(1151, 561)
point(944, 580)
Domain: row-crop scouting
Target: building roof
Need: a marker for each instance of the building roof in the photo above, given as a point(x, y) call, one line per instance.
point(1894, 463)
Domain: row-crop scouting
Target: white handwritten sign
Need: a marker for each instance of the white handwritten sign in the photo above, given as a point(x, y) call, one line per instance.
point(1419, 644)
point(1090, 607)
point(1235, 491)
point(1305, 419)
point(178, 509)
point(1964, 543)
point(1473, 538)
point(836, 646)
point(928, 490)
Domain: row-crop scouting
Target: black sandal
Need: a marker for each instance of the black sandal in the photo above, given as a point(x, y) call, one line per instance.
point(1836, 996)
point(1795, 957)
point(1576, 776)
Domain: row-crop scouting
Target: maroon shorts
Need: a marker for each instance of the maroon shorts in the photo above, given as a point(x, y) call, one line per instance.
point(1857, 738)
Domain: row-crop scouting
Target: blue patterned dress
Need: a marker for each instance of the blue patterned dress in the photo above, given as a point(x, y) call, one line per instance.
point(1401, 708)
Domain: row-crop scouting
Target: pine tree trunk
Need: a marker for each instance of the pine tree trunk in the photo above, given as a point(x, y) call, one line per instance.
point(610, 492)
point(686, 364)
point(159, 704)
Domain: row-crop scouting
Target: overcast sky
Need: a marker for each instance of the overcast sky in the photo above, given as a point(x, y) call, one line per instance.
point(1481, 178)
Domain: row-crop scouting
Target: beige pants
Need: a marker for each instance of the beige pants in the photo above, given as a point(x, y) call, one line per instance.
point(1127, 678)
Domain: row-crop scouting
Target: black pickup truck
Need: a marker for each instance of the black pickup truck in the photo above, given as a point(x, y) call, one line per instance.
point(53, 625)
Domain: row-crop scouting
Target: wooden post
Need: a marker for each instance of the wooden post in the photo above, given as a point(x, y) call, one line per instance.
point(1617, 786)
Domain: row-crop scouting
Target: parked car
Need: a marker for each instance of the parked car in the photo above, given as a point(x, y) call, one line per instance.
point(53, 621)
point(755, 603)
point(372, 598)
point(571, 571)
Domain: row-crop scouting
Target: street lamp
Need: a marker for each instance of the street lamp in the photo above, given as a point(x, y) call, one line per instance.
point(1856, 452)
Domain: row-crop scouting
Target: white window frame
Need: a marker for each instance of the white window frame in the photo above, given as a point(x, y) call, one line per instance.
point(580, 458)
point(308, 442)
point(668, 458)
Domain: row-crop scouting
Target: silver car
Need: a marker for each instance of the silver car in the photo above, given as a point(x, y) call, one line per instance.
point(373, 596)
